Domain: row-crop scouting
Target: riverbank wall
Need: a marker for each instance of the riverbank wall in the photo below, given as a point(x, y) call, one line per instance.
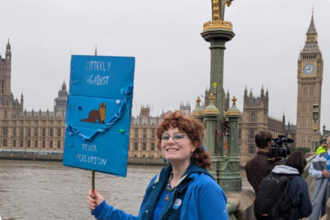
point(59, 158)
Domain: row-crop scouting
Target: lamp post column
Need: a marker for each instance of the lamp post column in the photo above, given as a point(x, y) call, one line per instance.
point(230, 177)
point(210, 115)
point(315, 118)
point(314, 140)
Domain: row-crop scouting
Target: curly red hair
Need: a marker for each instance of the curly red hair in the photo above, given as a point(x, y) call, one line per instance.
point(194, 130)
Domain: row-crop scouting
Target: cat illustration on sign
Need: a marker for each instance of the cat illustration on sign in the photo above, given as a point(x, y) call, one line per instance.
point(98, 115)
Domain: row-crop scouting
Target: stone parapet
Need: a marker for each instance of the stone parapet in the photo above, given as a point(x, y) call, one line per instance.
point(244, 204)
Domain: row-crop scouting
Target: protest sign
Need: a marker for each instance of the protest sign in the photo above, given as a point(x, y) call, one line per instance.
point(99, 113)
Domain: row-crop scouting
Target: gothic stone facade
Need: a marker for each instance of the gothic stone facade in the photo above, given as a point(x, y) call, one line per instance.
point(45, 130)
point(34, 130)
point(143, 141)
point(256, 118)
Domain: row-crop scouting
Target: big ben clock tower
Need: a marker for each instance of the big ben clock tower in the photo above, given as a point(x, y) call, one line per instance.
point(310, 77)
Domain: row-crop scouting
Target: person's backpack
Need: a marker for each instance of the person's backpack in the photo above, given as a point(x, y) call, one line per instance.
point(272, 198)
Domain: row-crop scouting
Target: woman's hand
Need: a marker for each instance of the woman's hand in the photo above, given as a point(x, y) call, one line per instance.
point(93, 200)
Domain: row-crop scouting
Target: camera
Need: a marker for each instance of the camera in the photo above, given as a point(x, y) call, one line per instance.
point(279, 148)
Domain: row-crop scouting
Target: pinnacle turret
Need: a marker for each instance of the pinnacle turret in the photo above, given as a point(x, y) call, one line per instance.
point(8, 47)
point(63, 86)
point(8, 51)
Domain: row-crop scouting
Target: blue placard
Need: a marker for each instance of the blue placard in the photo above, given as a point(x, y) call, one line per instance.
point(98, 113)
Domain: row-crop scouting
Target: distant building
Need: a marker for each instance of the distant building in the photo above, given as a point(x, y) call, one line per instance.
point(33, 130)
point(256, 118)
point(143, 140)
point(60, 102)
point(310, 78)
point(37, 130)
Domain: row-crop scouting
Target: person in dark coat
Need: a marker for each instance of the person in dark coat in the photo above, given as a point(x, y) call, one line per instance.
point(297, 189)
point(258, 167)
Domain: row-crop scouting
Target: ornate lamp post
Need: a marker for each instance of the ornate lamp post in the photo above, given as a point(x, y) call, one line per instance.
point(217, 32)
point(315, 118)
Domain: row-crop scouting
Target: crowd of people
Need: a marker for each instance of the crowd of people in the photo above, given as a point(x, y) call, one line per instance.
point(290, 186)
point(184, 189)
point(292, 200)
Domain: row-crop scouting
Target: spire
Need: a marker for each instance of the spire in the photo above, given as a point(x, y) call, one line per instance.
point(311, 45)
point(251, 93)
point(312, 29)
point(63, 86)
point(245, 92)
point(267, 93)
point(22, 99)
point(95, 50)
point(262, 92)
point(8, 47)
point(8, 52)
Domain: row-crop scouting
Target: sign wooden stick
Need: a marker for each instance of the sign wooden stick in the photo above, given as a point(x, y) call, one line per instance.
point(93, 181)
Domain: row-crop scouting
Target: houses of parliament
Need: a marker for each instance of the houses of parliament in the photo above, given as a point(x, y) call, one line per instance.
point(45, 130)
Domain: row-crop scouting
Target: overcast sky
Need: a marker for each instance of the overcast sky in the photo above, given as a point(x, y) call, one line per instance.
point(172, 59)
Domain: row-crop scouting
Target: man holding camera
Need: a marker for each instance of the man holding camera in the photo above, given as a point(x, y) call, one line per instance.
point(258, 167)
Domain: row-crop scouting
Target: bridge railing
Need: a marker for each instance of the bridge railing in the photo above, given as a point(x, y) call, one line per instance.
point(310, 180)
point(232, 206)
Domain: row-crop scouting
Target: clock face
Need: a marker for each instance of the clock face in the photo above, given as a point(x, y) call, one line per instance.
point(309, 69)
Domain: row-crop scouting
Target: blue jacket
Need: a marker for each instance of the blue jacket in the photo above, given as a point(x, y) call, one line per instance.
point(203, 198)
point(297, 192)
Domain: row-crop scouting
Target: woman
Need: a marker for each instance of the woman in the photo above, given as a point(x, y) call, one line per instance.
point(297, 189)
point(184, 189)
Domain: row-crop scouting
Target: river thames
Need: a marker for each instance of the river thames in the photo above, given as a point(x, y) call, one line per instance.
point(48, 190)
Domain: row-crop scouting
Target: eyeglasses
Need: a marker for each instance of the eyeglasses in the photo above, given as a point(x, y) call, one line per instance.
point(176, 137)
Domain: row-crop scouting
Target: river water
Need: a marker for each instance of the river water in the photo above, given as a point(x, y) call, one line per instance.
point(48, 190)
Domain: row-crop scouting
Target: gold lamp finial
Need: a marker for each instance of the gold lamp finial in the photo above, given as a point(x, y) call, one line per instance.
point(198, 100)
point(215, 10)
point(234, 100)
point(211, 98)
